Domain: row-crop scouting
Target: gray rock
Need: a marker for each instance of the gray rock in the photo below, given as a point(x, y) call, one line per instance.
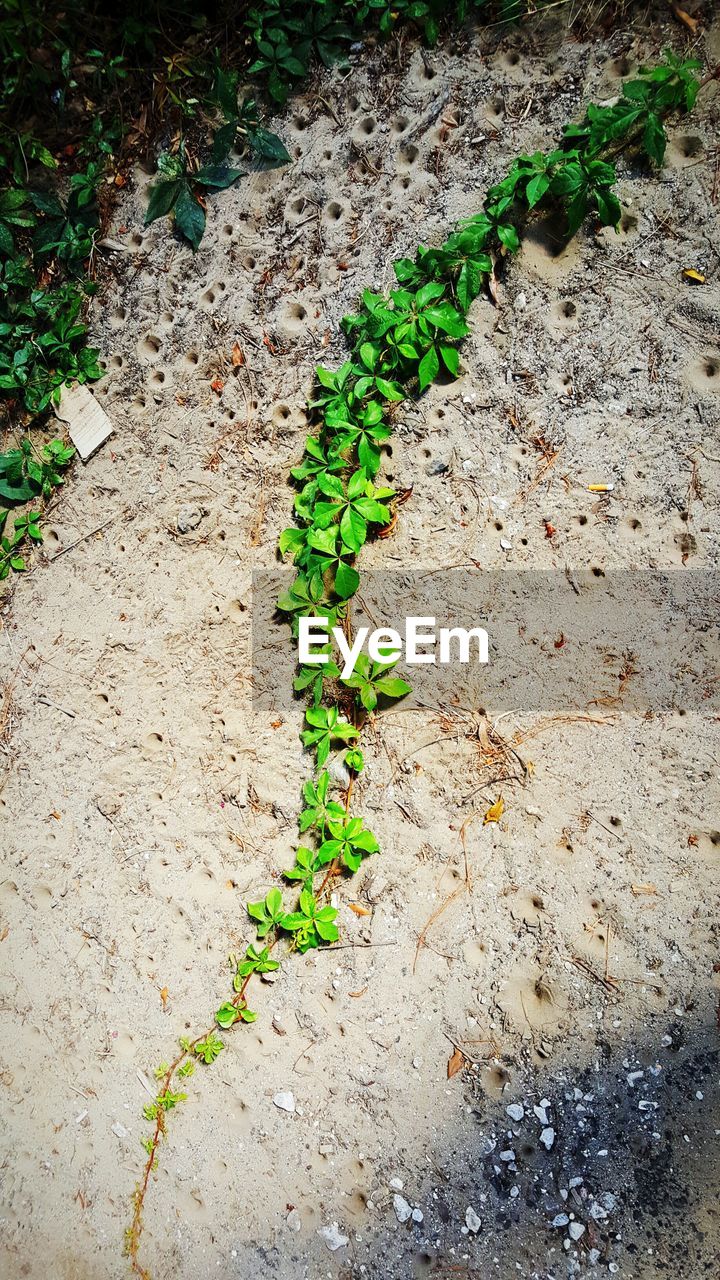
point(472, 1221)
point(402, 1209)
point(333, 1237)
point(547, 1137)
point(188, 518)
point(515, 1111)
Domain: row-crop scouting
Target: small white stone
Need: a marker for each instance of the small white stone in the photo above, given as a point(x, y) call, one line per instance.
point(333, 1237)
point(576, 1230)
point(285, 1101)
point(417, 1215)
point(560, 1220)
point(547, 1137)
point(515, 1111)
point(119, 1130)
point(505, 544)
point(402, 1209)
point(293, 1220)
point(396, 1184)
point(472, 1221)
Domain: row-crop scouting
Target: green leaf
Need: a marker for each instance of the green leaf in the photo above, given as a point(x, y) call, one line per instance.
point(429, 368)
point(509, 237)
point(536, 189)
point(273, 903)
point(226, 1015)
point(268, 146)
point(189, 217)
point(353, 529)
point(392, 687)
point(608, 207)
point(217, 176)
point(653, 139)
point(347, 580)
point(162, 198)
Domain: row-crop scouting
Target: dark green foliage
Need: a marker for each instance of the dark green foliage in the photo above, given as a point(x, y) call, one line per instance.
point(181, 192)
point(26, 473)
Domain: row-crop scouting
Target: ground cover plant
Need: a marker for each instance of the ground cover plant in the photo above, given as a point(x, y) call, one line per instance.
point(400, 342)
point(86, 90)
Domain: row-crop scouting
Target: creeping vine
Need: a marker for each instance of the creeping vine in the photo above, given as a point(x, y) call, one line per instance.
point(399, 342)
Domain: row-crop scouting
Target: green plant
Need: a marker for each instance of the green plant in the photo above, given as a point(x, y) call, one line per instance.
point(402, 338)
point(13, 213)
point(180, 192)
point(371, 680)
point(241, 126)
point(312, 924)
point(25, 527)
point(26, 473)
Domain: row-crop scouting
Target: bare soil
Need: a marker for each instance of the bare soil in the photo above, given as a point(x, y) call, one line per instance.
point(145, 798)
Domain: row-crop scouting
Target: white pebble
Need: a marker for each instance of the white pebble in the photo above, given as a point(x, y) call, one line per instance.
point(402, 1208)
point(333, 1237)
point(472, 1221)
point(285, 1101)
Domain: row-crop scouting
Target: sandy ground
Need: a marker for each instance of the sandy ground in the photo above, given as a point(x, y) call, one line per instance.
point(145, 798)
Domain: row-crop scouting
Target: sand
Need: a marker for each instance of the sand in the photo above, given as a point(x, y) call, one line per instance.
point(145, 797)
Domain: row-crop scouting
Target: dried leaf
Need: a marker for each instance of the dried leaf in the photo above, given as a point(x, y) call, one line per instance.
point(495, 812)
point(355, 995)
point(237, 356)
point(218, 386)
point(549, 529)
point(693, 276)
point(455, 1063)
point(691, 23)
point(359, 911)
point(643, 888)
point(164, 995)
